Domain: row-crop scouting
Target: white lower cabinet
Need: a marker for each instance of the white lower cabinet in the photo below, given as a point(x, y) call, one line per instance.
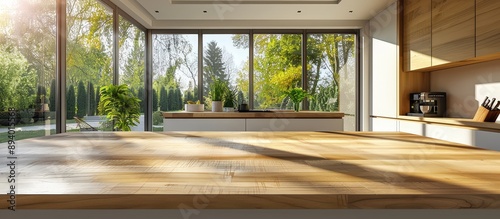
point(467, 136)
point(383, 125)
point(457, 134)
point(204, 125)
point(285, 124)
point(267, 124)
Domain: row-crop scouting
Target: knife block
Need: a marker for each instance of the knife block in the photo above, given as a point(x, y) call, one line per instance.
point(486, 115)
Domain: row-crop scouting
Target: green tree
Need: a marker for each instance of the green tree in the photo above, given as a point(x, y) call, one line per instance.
point(92, 106)
point(81, 100)
point(278, 67)
point(97, 100)
point(31, 30)
point(70, 102)
point(133, 39)
point(41, 95)
point(155, 100)
point(188, 95)
point(140, 95)
point(213, 65)
point(89, 42)
point(171, 102)
point(164, 106)
point(178, 99)
point(328, 54)
point(18, 89)
point(52, 95)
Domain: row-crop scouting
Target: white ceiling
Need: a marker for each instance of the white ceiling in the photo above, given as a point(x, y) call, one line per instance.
point(209, 14)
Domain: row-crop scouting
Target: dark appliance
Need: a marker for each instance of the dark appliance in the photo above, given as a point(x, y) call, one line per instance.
point(434, 102)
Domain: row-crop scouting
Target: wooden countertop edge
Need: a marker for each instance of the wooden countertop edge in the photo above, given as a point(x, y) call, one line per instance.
point(457, 122)
point(260, 201)
point(250, 115)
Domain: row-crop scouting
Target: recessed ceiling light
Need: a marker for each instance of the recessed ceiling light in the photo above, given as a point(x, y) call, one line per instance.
point(299, 12)
point(350, 12)
point(205, 12)
point(157, 11)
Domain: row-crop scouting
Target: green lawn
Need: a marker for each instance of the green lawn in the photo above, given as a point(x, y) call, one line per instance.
point(39, 133)
point(24, 135)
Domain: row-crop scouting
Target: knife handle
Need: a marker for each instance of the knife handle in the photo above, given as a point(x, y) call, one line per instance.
point(496, 106)
point(484, 101)
point(492, 103)
point(486, 104)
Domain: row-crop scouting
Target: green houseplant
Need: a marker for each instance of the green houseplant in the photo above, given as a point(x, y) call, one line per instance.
point(296, 95)
point(216, 93)
point(230, 99)
point(120, 106)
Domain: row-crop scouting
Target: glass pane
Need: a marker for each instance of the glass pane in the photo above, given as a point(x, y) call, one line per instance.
point(27, 68)
point(225, 58)
point(175, 73)
point(132, 63)
point(331, 73)
point(277, 68)
point(89, 61)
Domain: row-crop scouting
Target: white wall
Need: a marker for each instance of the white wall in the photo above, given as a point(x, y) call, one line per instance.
point(467, 86)
point(383, 64)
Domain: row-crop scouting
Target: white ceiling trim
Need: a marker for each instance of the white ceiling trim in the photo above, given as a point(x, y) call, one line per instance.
point(251, 2)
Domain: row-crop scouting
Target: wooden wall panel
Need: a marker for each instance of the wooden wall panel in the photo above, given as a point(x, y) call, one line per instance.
point(487, 27)
point(409, 82)
point(417, 34)
point(453, 30)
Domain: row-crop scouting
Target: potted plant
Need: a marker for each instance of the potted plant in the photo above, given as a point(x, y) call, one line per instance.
point(120, 106)
point(230, 99)
point(217, 89)
point(192, 106)
point(296, 95)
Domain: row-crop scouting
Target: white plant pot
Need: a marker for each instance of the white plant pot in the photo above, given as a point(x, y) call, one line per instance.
point(194, 107)
point(216, 106)
point(229, 109)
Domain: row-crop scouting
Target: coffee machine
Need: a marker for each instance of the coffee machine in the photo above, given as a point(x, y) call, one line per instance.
point(433, 103)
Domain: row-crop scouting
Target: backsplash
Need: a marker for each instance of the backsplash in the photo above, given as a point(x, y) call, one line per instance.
point(467, 86)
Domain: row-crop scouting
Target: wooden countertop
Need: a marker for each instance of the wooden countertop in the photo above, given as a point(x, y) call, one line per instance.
point(271, 114)
point(251, 170)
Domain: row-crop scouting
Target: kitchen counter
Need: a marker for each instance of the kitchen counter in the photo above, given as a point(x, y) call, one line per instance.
point(251, 170)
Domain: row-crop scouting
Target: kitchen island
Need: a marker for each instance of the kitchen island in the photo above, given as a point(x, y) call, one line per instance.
point(253, 121)
point(251, 170)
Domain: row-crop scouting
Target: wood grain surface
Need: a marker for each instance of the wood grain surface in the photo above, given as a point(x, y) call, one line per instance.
point(453, 31)
point(417, 34)
point(251, 170)
point(487, 28)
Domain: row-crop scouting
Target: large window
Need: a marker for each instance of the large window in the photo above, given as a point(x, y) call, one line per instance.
point(277, 68)
point(175, 73)
point(224, 58)
point(132, 62)
point(27, 67)
point(331, 74)
point(89, 60)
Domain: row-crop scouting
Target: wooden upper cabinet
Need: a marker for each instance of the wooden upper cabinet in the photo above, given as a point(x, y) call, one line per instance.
point(487, 27)
point(417, 34)
point(453, 31)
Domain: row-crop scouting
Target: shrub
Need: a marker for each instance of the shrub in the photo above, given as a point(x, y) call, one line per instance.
point(157, 118)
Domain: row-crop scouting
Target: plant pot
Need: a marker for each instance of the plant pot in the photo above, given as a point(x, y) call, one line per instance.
point(229, 109)
point(194, 107)
point(296, 107)
point(216, 106)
